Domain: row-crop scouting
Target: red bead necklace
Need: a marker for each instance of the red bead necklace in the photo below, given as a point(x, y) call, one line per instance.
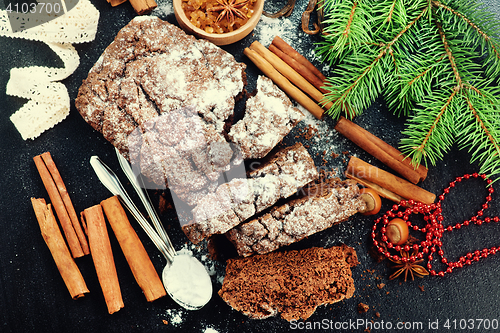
point(433, 230)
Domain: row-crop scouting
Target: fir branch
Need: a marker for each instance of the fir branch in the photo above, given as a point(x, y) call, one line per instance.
point(434, 60)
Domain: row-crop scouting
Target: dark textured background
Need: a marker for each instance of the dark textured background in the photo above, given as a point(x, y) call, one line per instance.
point(33, 297)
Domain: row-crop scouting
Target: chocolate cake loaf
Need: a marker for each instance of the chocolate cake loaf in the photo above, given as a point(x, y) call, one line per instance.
point(234, 202)
point(322, 206)
point(153, 68)
point(292, 283)
point(269, 117)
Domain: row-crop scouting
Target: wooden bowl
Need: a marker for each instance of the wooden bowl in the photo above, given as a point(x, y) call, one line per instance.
point(218, 39)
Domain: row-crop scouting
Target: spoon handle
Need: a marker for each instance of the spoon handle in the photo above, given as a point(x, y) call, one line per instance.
point(146, 200)
point(109, 179)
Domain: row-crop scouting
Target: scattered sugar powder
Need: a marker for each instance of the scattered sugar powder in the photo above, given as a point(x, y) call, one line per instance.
point(321, 139)
point(268, 28)
point(163, 8)
point(210, 330)
point(174, 316)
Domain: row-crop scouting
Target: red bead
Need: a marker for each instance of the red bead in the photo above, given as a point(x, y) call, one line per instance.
point(449, 228)
point(389, 245)
point(458, 226)
point(400, 214)
point(383, 230)
point(397, 248)
point(407, 248)
point(458, 179)
point(483, 176)
point(441, 274)
point(429, 266)
point(485, 206)
point(452, 184)
point(395, 207)
point(403, 203)
point(466, 223)
point(395, 257)
point(430, 257)
point(415, 247)
point(444, 261)
point(496, 219)
point(441, 252)
point(381, 250)
point(432, 272)
point(384, 238)
point(487, 220)
point(375, 243)
point(468, 262)
point(467, 176)
point(475, 175)
point(387, 254)
point(449, 270)
point(441, 197)
point(446, 190)
point(480, 213)
point(411, 202)
point(404, 259)
point(415, 227)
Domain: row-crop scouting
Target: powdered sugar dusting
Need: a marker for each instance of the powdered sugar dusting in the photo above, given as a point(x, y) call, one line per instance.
point(163, 9)
point(322, 140)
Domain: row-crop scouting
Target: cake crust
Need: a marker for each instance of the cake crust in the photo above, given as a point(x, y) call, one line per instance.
point(321, 206)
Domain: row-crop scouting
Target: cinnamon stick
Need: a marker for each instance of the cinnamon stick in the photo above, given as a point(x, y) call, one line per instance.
point(60, 208)
point(52, 236)
point(282, 82)
point(385, 193)
point(115, 3)
point(135, 253)
point(68, 204)
point(299, 68)
point(102, 256)
point(286, 48)
point(381, 150)
point(142, 7)
point(360, 169)
point(289, 73)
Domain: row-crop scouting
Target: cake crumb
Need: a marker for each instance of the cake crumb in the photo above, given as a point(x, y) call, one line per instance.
point(363, 308)
point(381, 285)
point(421, 288)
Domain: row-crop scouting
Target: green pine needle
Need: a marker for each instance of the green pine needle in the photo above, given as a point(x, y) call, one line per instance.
point(435, 61)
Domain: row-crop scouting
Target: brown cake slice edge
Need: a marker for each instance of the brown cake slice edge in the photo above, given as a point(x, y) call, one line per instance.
point(290, 283)
point(279, 177)
point(321, 206)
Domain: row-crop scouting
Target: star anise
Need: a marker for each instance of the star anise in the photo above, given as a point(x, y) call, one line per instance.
point(407, 266)
point(230, 9)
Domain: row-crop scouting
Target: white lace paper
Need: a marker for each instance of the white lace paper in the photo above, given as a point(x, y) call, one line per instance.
point(49, 102)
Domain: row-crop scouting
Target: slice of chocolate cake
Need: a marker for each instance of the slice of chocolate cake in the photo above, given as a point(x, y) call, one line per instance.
point(277, 178)
point(292, 283)
point(323, 205)
point(269, 117)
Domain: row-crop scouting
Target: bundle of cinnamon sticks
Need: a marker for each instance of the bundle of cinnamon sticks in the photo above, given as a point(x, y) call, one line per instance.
point(98, 245)
point(290, 71)
point(304, 83)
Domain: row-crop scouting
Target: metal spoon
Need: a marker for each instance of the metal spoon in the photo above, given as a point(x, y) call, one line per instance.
point(109, 179)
